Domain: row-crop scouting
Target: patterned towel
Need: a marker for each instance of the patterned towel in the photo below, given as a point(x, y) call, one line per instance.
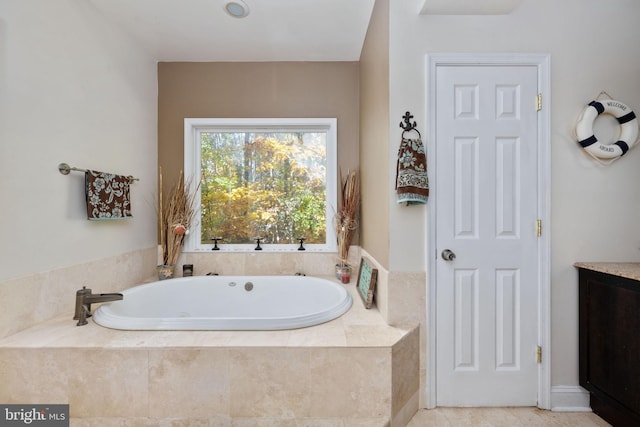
point(412, 184)
point(107, 196)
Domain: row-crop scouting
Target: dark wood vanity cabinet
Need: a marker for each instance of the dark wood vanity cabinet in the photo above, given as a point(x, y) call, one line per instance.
point(610, 345)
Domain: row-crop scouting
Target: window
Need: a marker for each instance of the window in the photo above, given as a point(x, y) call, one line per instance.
point(269, 178)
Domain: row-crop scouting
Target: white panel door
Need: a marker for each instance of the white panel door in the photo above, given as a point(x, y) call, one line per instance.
point(486, 211)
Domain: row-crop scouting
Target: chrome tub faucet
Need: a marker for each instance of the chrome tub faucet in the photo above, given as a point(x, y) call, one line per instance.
point(84, 299)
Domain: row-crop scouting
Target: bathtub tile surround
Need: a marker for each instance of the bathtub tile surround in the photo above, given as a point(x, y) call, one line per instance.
point(401, 298)
point(66, 375)
point(358, 364)
point(255, 264)
point(407, 305)
point(354, 370)
point(405, 364)
point(55, 289)
point(339, 383)
point(202, 377)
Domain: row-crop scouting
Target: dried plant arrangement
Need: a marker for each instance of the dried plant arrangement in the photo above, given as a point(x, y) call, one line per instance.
point(346, 219)
point(175, 216)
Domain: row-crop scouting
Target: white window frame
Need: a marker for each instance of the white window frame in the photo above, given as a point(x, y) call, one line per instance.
point(192, 162)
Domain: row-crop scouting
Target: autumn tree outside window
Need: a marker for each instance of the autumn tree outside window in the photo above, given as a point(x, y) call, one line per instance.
point(269, 178)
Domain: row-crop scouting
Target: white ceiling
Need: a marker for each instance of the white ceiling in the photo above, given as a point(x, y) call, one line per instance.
point(274, 30)
point(468, 7)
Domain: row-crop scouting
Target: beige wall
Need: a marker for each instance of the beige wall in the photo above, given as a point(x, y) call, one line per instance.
point(74, 89)
point(374, 131)
point(261, 89)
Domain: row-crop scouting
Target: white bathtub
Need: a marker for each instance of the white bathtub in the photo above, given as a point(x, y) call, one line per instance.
point(226, 303)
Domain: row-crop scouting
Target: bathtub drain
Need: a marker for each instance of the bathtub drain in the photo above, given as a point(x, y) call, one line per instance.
point(248, 286)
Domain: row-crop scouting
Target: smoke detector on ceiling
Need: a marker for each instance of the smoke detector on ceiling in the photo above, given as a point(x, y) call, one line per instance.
point(236, 8)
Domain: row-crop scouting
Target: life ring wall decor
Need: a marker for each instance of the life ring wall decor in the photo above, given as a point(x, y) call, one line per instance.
point(628, 129)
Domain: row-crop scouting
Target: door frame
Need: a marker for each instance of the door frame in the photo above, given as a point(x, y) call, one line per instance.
point(543, 64)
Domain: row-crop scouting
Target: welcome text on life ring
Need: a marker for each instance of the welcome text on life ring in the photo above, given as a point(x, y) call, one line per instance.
point(628, 129)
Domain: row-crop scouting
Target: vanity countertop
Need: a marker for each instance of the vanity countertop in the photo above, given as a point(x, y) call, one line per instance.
point(630, 270)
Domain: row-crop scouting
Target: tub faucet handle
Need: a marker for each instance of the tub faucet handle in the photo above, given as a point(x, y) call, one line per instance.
point(82, 311)
point(258, 239)
point(215, 243)
point(301, 240)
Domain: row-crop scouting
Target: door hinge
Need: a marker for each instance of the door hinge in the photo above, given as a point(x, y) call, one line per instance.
point(539, 102)
point(538, 227)
point(539, 354)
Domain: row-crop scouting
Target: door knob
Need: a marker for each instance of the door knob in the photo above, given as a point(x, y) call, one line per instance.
point(448, 255)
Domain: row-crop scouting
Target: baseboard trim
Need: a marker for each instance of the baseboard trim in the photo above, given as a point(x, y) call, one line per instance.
point(570, 398)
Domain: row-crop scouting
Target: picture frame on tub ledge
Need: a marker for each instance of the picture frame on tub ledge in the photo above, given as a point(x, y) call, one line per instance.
point(366, 285)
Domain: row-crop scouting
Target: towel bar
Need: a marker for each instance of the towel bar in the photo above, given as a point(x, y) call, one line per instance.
point(65, 169)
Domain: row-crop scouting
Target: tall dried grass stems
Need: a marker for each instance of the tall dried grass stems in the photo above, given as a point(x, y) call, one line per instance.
point(175, 217)
point(346, 220)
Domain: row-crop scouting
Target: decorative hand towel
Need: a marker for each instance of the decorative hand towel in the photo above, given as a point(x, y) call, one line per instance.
point(412, 183)
point(107, 196)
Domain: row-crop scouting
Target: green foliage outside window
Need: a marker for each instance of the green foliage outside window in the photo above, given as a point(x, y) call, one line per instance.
point(263, 184)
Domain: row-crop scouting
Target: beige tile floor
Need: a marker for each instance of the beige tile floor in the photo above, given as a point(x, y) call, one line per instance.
point(503, 417)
